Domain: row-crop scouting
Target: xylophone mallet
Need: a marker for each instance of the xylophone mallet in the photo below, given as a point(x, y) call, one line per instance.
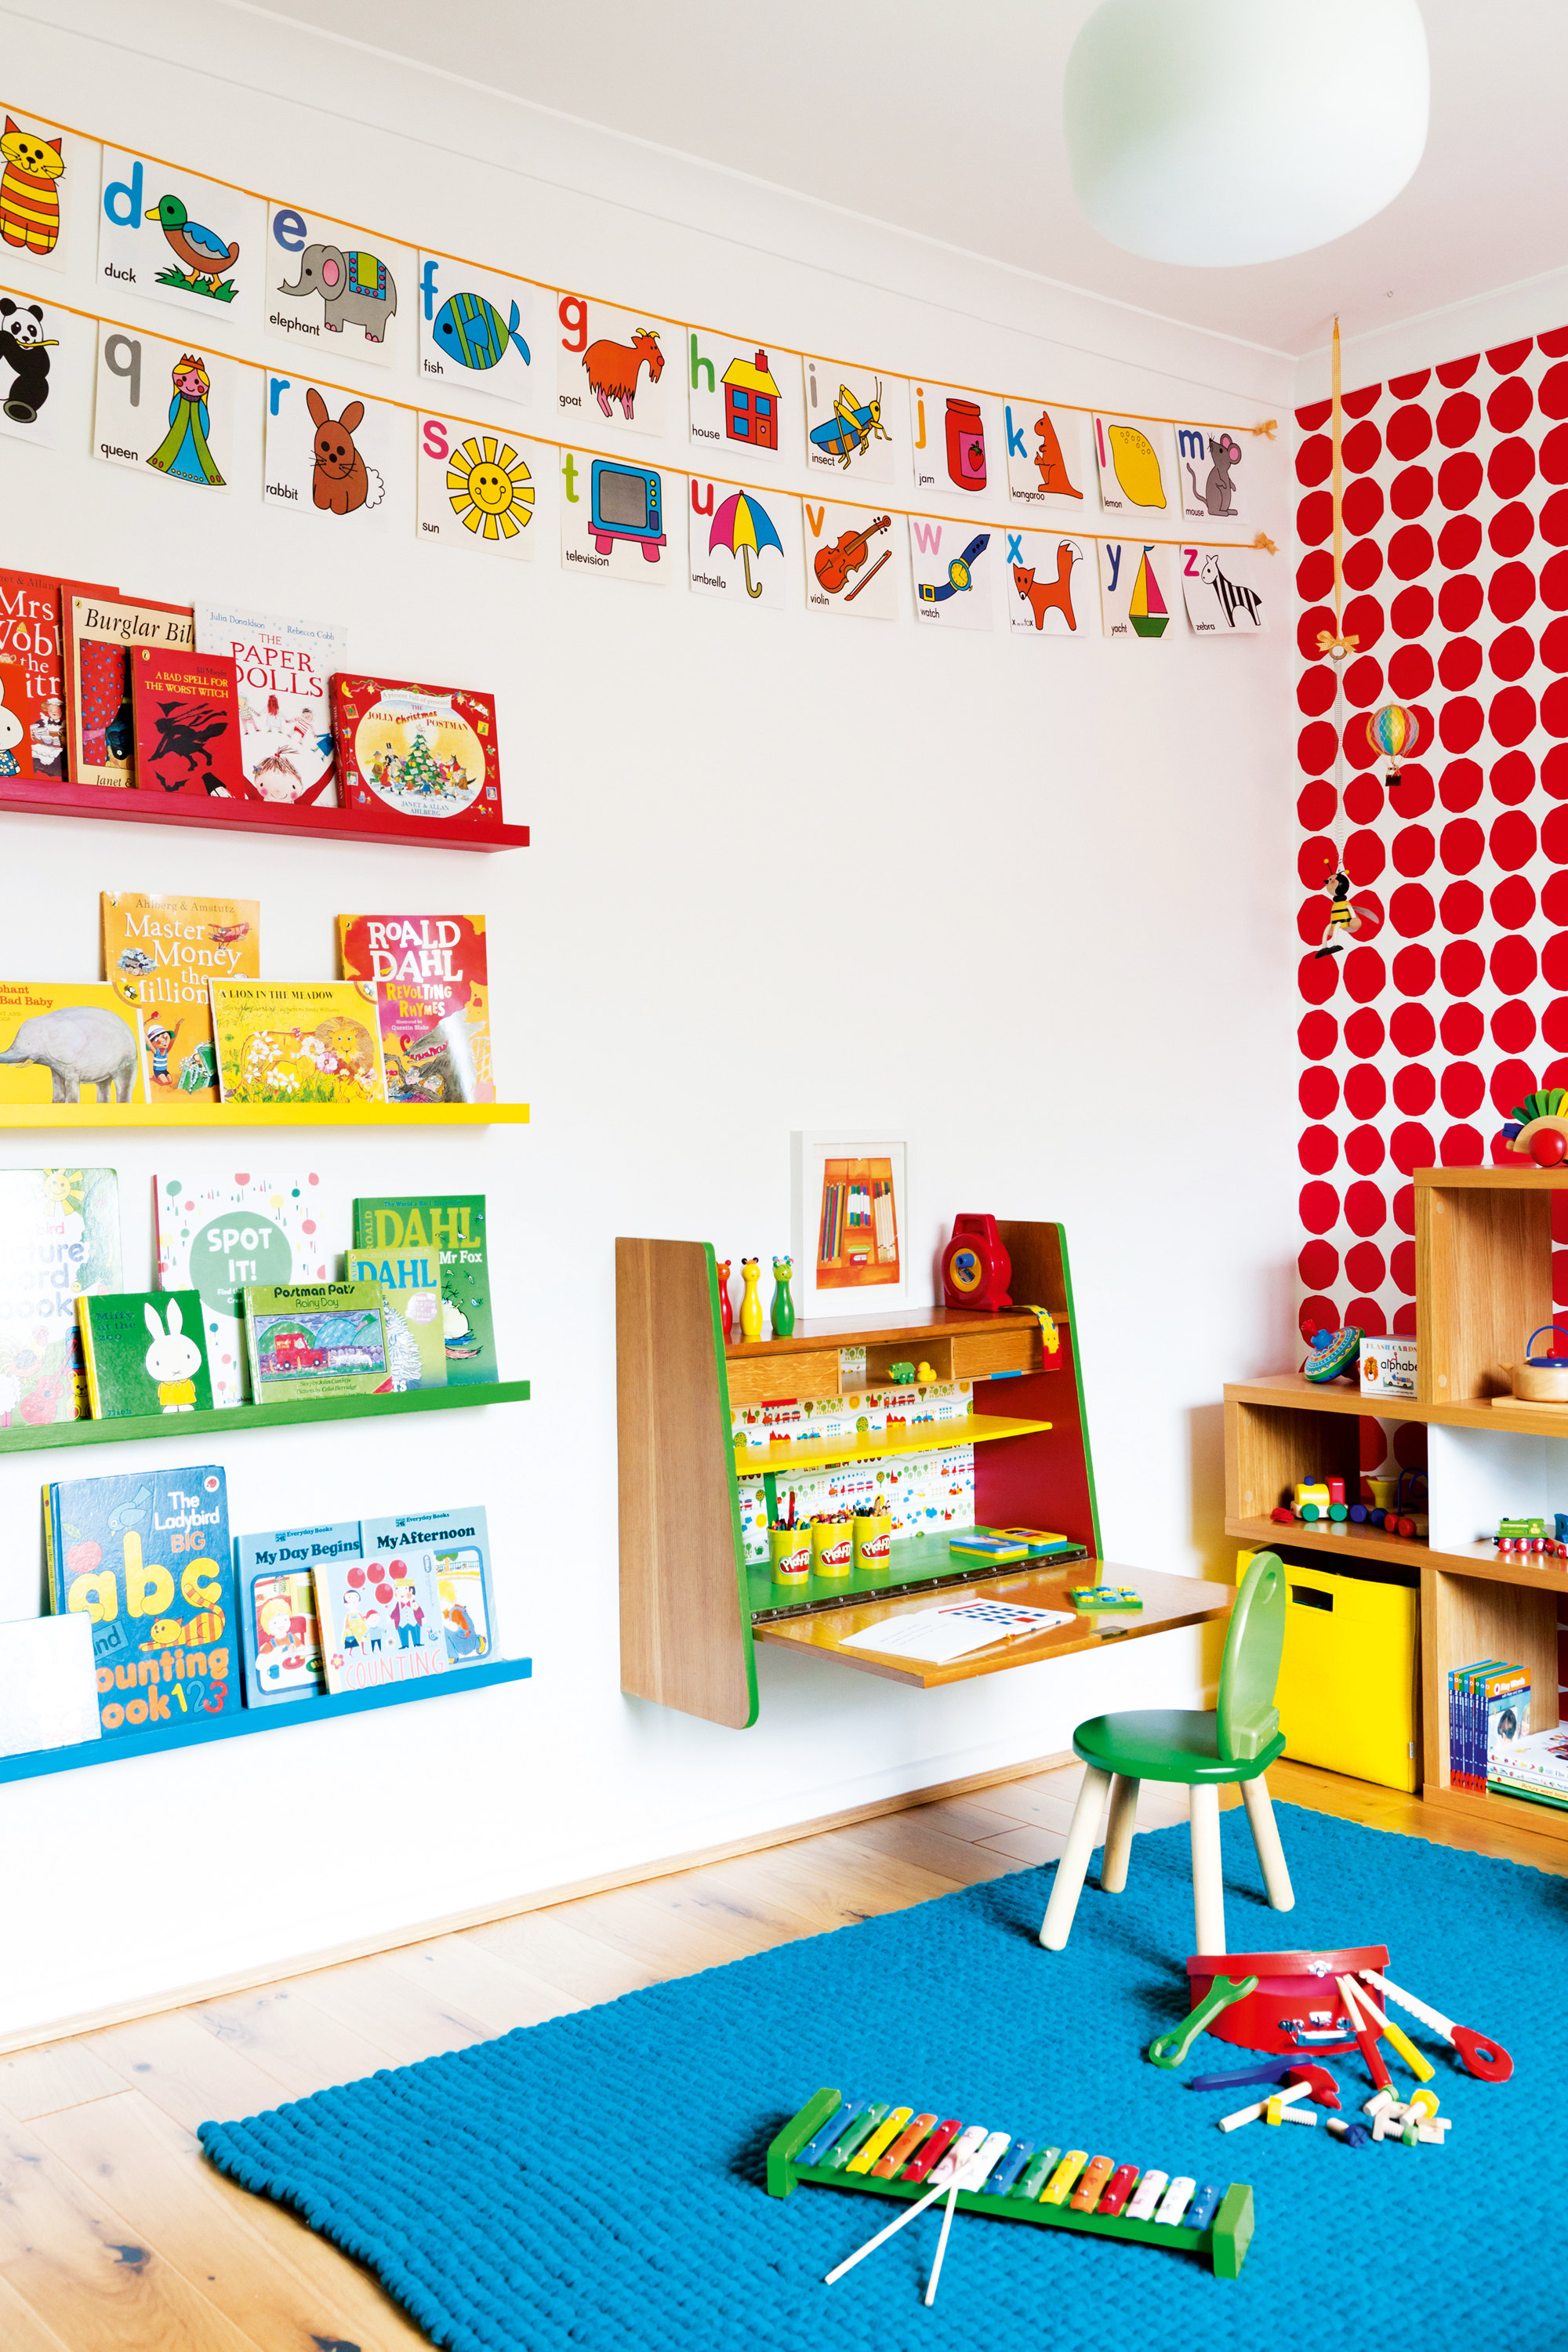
point(909, 2213)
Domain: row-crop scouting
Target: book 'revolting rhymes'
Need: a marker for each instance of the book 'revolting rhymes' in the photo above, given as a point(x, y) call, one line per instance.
point(32, 633)
point(68, 1042)
point(381, 1619)
point(453, 1228)
point(184, 725)
point(144, 1353)
point(417, 750)
point(101, 633)
point(146, 1556)
point(215, 1238)
point(315, 1339)
point(410, 1288)
point(298, 1041)
point(433, 1000)
point(455, 1547)
point(49, 1684)
point(61, 1240)
point(161, 954)
point(279, 1624)
point(281, 668)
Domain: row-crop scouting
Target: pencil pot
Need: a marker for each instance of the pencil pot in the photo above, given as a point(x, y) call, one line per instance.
point(873, 1544)
point(790, 1551)
point(832, 1550)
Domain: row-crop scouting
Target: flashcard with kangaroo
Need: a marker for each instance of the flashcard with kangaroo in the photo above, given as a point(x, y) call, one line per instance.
point(328, 293)
point(164, 408)
point(1047, 465)
point(333, 455)
point(610, 364)
point(1211, 472)
point(1049, 587)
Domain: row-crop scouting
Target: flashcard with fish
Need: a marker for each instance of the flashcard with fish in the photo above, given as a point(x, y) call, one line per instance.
point(166, 406)
point(1224, 589)
point(957, 439)
point(176, 237)
point(744, 399)
point(1047, 465)
point(745, 544)
point(951, 565)
point(42, 348)
point(1207, 459)
point(1049, 591)
point(853, 420)
point(336, 457)
point(1133, 454)
point(481, 333)
point(1135, 589)
point(326, 290)
point(609, 365)
point(613, 519)
point(479, 488)
point(849, 565)
point(40, 166)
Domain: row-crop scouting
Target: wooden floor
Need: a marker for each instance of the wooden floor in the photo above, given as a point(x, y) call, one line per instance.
point(115, 2236)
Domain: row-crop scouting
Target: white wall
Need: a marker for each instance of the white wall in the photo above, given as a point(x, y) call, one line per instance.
point(1027, 904)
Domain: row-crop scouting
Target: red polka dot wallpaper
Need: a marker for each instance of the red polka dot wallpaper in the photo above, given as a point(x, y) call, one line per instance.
point(1418, 1038)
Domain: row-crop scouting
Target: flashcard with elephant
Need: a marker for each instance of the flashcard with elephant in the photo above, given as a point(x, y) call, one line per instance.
point(69, 1042)
point(332, 289)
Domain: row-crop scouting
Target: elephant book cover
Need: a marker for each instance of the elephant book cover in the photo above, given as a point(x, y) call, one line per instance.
point(101, 633)
point(381, 1618)
point(31, 633)
point(452, 1227)
point(184, 726)
point(69, 1042)
point(161, 954)
point(298, 1041)
point(417, 750)
point(146, 1555)
point(59, 1238)
point(457, 1545)
point(219, 1232)
point(433, 998)
point(311, 1339)
point(281, 668)
point(146, 1352)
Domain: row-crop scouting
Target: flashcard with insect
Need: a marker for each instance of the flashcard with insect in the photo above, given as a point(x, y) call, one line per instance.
point(951, 564)
point(849, 561)
point(745, 400)
point(1133, 454)
point(1207, 459)
point(1135, 589)
point(1047, 465)
point(480, 333)
point(609, 365)
point(327, 291)
point(42, 348)
point(745, 544)
point(613, 519)
point(477, 488)
point(955, 439)
point(164, 407)
point(334, 456)
point(179, 238)
point(851, 420)
point(1224, 592)
point(1048, 591)
point(40, 166)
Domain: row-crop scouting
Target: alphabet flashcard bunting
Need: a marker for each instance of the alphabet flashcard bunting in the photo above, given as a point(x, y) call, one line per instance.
point(41, 347)
point(1134, 454)
point(744, 399)
point(327, 288)
point(849, 566)
point(610, 364)
point(951, 565)
point(39, 165)
point(1207, 456)
point(1046, 458)
point(479, 333)
point(1223, 592)
point(176, 237)
point(335, 456)
point(852, 416)
point(613, 519)
point(1135, 589)
point(956, 438)
point(477, 488)
point(746, 545)
point(1048, 592)
point(167, 407)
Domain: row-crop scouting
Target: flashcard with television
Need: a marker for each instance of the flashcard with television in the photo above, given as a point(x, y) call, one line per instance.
point(613, 524)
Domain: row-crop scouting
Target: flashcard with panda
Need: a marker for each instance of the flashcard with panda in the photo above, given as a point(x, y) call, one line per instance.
point(951, 565)
point(1208, 458)
point(166, 407)
point(957, 440)
point(1047, 465)
point(479, 488)
point(1049, 591)
point(1225, 592)
point(40, 165)
point(41, 348)
point(335, 456)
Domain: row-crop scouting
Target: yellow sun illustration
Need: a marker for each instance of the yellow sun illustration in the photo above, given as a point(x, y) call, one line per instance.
point(491, 488)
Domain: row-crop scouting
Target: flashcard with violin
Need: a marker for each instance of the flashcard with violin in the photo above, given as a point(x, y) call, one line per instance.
point(849, 563)
point(854, 419)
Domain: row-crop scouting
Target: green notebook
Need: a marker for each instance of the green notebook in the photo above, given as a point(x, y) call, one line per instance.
point(315, 1339)
point(452, 1227)
point(146, 1353)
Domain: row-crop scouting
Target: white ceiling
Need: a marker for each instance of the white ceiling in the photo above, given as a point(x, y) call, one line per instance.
point(943, 117)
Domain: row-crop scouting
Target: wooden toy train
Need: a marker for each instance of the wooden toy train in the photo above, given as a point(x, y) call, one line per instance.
point(888, 2150)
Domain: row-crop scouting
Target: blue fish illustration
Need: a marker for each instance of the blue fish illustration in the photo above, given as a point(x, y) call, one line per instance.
point(473, 332)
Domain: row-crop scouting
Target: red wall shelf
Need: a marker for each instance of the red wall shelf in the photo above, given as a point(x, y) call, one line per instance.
point(30, 796)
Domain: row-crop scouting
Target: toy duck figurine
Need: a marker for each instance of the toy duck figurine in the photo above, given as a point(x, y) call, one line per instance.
point(784, 1305)
point(751, 1304)
point(726, 1311)
point(195, 249)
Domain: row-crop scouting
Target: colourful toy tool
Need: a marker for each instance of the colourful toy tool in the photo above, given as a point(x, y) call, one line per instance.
point(1169, 2049)
point(1105, 1596)
point(1366, 2035)
point(1487, 2059)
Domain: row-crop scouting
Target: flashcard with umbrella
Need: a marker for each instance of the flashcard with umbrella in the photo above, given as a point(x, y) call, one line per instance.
point(744, 547)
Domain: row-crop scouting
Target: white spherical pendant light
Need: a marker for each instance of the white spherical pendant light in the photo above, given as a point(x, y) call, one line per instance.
point(1219, 131)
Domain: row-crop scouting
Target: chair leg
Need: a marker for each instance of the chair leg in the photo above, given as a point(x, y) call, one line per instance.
point(1119, 1834)
point(1266, 1838)
point(1208, 1882)
point(1073, 1867)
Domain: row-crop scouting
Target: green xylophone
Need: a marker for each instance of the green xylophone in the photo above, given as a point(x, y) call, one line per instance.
point(891, 2151)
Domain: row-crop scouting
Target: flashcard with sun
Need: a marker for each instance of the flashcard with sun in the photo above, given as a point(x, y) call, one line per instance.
point(477, 486)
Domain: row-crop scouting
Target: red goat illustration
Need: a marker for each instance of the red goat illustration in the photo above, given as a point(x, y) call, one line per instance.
point(613, 368)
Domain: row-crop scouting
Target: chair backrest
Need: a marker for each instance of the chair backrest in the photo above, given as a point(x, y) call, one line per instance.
point(1247, 1716)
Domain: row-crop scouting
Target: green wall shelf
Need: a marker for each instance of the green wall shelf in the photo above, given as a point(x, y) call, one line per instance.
point(194, 1426)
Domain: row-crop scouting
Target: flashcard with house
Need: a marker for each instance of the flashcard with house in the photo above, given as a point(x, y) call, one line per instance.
point(745, 401)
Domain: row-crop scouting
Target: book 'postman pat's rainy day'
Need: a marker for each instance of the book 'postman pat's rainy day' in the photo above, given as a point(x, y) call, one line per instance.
point(147, 1557)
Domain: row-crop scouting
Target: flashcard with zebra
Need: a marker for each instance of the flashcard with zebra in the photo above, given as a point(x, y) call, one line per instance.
point(1049, 592)
point(1223, 591)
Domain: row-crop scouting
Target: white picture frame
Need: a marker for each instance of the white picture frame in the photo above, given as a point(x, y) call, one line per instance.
point(864, 1297)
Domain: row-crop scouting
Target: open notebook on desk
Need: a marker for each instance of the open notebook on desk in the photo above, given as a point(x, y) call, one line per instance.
point(940, 1635)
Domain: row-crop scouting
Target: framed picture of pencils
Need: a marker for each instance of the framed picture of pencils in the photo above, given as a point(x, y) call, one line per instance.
point(851, 1253)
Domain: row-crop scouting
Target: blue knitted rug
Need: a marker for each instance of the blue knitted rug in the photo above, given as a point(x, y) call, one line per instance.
point(597, 2181)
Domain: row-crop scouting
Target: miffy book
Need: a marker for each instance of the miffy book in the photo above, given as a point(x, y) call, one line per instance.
point(146, 1351)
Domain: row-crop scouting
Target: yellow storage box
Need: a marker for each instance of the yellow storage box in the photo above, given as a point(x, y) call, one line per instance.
point(1347, 1689)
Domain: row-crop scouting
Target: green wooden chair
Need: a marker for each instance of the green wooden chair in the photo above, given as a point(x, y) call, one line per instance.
point(1236, 1742)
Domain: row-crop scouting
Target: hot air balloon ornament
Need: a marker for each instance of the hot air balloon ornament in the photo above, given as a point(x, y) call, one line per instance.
point(1395, 733)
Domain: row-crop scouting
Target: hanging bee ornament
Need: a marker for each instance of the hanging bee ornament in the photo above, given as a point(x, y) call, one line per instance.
point(1348, 919)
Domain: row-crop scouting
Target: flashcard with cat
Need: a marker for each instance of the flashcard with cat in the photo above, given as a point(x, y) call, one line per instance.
point(1047, 465)
point(163, 407)
point(956, 440)
point(951, 565)
point(1224, 590)
point(482, 335)
point(176, 237)
point(745, 400)
point(1050, 588)
point(42, 349)
point(1136, 585)
point(479, 488)
point(610, 364)
point(853, 421)
point(615, 518)
point(335, 456)
point(328, 291)
point(849, 566)
point(1211, 475)
point(744, 544)
point(40, 166)
point(1136, 476)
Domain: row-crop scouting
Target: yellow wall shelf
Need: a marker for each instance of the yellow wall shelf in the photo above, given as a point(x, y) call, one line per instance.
point(215, 1118)
point(926, 1437)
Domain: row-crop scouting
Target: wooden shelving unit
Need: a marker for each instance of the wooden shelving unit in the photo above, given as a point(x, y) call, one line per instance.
point(217, 1118)
point(31, 796)
point(197, 1427)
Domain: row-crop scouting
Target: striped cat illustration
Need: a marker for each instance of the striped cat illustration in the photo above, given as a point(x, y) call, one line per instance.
point(30, 189)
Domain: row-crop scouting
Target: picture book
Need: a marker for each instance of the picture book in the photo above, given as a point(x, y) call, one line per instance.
point(453, 1226)
point(184, 725)
point(278, 1626)
point(49, 1684)
point(100, 633)
point(31, 633)
point(281, 668)
point(13, 750)
point(410, 1288)
point(59, 1239)
point(160, 953)
point(297, 1042)
point(417, 750)
point(457, 1546)
point(381, 1618)
point(146, 1556)
point(315, 1339)
point(68, 1041)
point(214, 1235)
point(433, 1000)
point(144, 1352)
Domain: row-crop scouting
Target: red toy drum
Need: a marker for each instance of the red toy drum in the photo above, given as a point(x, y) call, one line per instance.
point(1297, 2005)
